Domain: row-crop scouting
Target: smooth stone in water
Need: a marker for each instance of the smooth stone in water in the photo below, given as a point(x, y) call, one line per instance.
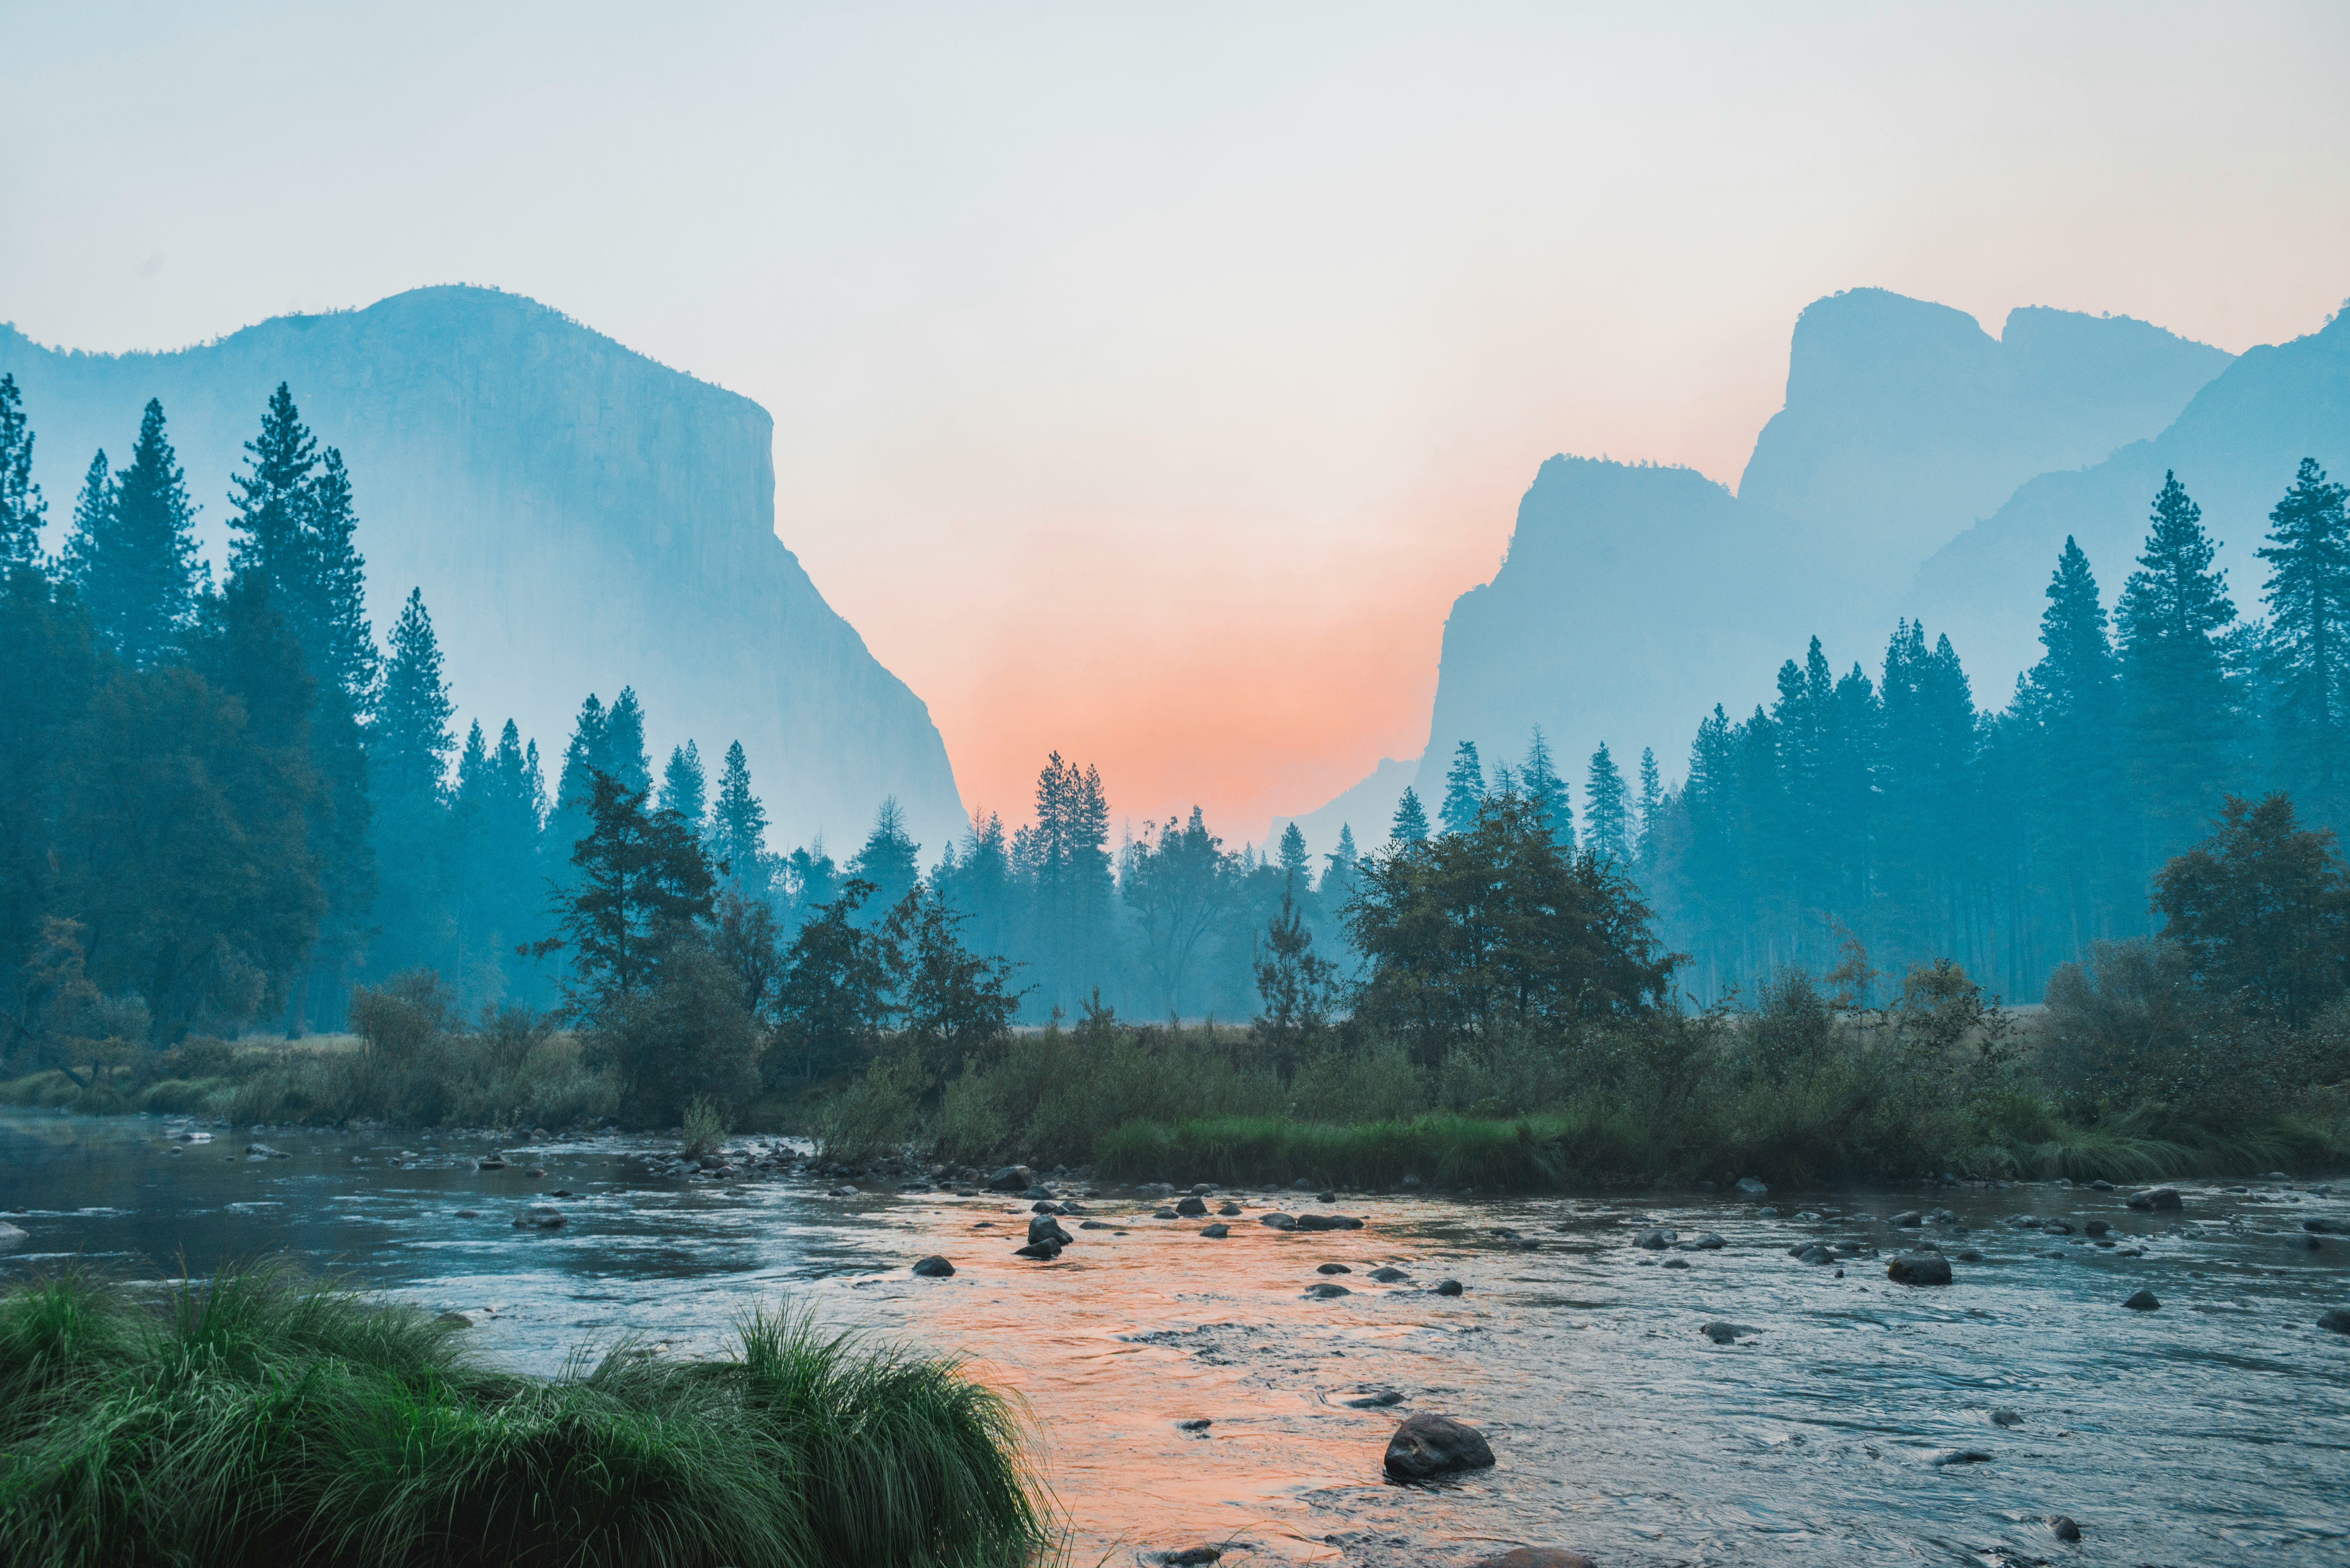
point(1333, 1269)
point(2143, 1301)
point(2335, 1320)
point(1199, 1425)
point(1376, 1400)
point(1045, 1227)
point(1427, 1445)
point(538, 1217)
point(1751, 1187)
point(1963, 1457)
point(1325, 1289)
point(1726, 1333)
point(1166, 1214)
point(1677, 1263)
point(1657, 1240)
point(1191, 1557)
point(2153, 1197)
point(1449, 1287)
point(1218, 1231)
point(1278, 1221)
point(1921, 1269)
point(1192, 1207)
point(2003, 1416)
point(10, 1236)
point(1011, 1178)
point(2063, 1528)
point(933, 1267)
point(1388, 1276)
point(1228, 1208)
point(1046, 1250)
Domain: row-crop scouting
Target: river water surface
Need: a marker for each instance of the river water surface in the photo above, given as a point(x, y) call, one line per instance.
point(2216, 1429)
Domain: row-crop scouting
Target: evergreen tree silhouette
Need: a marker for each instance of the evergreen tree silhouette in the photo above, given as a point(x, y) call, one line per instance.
point(21, 507)
point(1410, 825)
point(1606, 819)
point(133, 553)
point(1465, 790)
point(2308, 653)
point(2177, 703)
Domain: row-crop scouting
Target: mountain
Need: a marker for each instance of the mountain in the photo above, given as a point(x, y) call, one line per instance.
point(580, 517)
point(2234, 447)
point(1906, 421)
point(1369, 806)
point(1634, 598)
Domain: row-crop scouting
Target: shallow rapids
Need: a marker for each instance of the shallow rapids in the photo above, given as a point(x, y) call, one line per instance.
point(2216, 1429)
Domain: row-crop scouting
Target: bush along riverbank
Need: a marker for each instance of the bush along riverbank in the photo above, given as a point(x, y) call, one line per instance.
point(262, 1418)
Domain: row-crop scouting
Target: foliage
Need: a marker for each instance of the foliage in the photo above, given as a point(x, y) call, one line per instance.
point(686, 1036)
point(2262, 911)
point(705, 1127)
point(258, 1418)
point(641, 884)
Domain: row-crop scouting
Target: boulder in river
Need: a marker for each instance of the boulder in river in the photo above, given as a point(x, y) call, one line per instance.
point(933, 1268)
point(1326, 1289)
point(1328, 1222)
point(1189, 1557)
point(540, 1217)
point(1163, 1214)
point(2143, 1301)
point(1810, 1252)
point(1751, 1187)
point(1536, 1557)
point(1278, 1221)
point(2321, 1226)
point(2063, 1528)
point(11, 1237)
point(1388, 1275)
point(1216, 1231)
point(1448, 1287)
point(1043, 1252)
point(1192, 1207)
point(1333, 1269)
point(1011, 1178)
point(1727, 1333)
point(1708, 1242)
point(1427, 1445)
point(1911, 1217)
point(2153, 1198)
point(2095, 1228)
point(1228, 1208)
point(2334, 1319)
point(2003, 1416)
point(1919, 1269)
point(1656, 1239)
point(1045, 1227)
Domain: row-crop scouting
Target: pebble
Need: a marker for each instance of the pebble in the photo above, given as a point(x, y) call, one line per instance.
point(1228, 1209)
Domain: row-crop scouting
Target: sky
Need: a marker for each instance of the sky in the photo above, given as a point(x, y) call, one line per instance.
point(1149, 380)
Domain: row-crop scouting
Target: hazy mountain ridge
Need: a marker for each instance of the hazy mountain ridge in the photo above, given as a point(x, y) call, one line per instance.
point(1632, 599)
point(2234, 447)
point(579, 518)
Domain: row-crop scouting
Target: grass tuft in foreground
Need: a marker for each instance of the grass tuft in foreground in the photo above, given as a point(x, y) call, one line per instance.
point(262, 1417)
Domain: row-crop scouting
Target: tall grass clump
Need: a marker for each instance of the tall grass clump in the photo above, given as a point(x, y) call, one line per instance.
point(264, 1418)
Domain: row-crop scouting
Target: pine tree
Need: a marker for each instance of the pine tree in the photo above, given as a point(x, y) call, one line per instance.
point(624, 744)
point(1608, 831)
point(412, 738)
point(21, 507)
point(1338, 871)
point(2175, 700)
point(1652, 813)
point(684, 789)
point(334, 594)
point(2308, 665)
point(1297, 866)
point(133, 550)
point(888, 859)
point(1543, 789)
point(1410, 825)
point(738, 825)
point(1465, 790)
point(272, 499)
point(587, 753)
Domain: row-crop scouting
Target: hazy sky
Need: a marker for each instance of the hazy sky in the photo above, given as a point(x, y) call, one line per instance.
point(1149, 380)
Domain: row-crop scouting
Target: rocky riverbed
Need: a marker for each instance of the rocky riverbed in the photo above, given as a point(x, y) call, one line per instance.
point(1659, 1377)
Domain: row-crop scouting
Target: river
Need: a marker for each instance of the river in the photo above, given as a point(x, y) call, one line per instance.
point(2215, 1430)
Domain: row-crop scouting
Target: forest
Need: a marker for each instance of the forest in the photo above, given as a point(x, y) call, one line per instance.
point(231, 812)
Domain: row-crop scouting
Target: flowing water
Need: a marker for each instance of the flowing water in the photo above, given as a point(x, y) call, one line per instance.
point(2216, 1429)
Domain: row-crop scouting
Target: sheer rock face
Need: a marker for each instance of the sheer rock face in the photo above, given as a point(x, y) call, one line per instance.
point(579, 518)
point(1634, 598)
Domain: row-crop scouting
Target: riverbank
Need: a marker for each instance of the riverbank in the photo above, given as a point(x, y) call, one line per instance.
point(261, 1418)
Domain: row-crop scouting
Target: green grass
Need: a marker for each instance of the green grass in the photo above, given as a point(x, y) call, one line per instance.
point(262, 1418)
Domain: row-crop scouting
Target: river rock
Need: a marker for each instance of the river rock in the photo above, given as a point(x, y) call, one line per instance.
point(1969, 1256)
point(1534, 1557)
point(1324, 1290)
point(2062, 1527)
point(1333, 1269)
point(2095, 1227)
point(1910, 1216)
point(1093, 1225)
point(1011, 1178)
point(1751, 1187)
point(262, 1151)
point(469, 1214)
point(1216, 1231)
point(1228, 1208)
point(1677, 1263)
point(2143, 1301)
point(1045, 1227)
point(11, 1237)
point(1726, 1333)
point(1045, 1252)
point(1163, 1214)
point(1919, 1269)
point(2003, 1416)
point(2334, 1319)
point(2321, 1226)
point(1046, 1206)
point(1192, 1207)
point(489, 1162)
point(1657, 1239)
point(1427, 1445)
point(1328, 1222)
point(2153, 1198)
point(1190, 1557)
point(933, 1268)
point(1810, 1252)
point(1448, 1287)
point(2055, 1228)
point(1278, 1221)
point(1388, 1275)
point(540, 1217)
point(1708, 1242)
point(1372, 1399)
point(1962, 1457)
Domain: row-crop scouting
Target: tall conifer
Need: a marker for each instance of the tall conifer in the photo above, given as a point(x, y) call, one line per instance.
point(1411, 825)
point(738, 824)
point(1607, 818)
point(624, 744)
point(684, 788)
point(2175, 700)
point(1541, 787)
point(2308, 663)
point(21, 507)
point(1465, 790)
point(133, 550)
